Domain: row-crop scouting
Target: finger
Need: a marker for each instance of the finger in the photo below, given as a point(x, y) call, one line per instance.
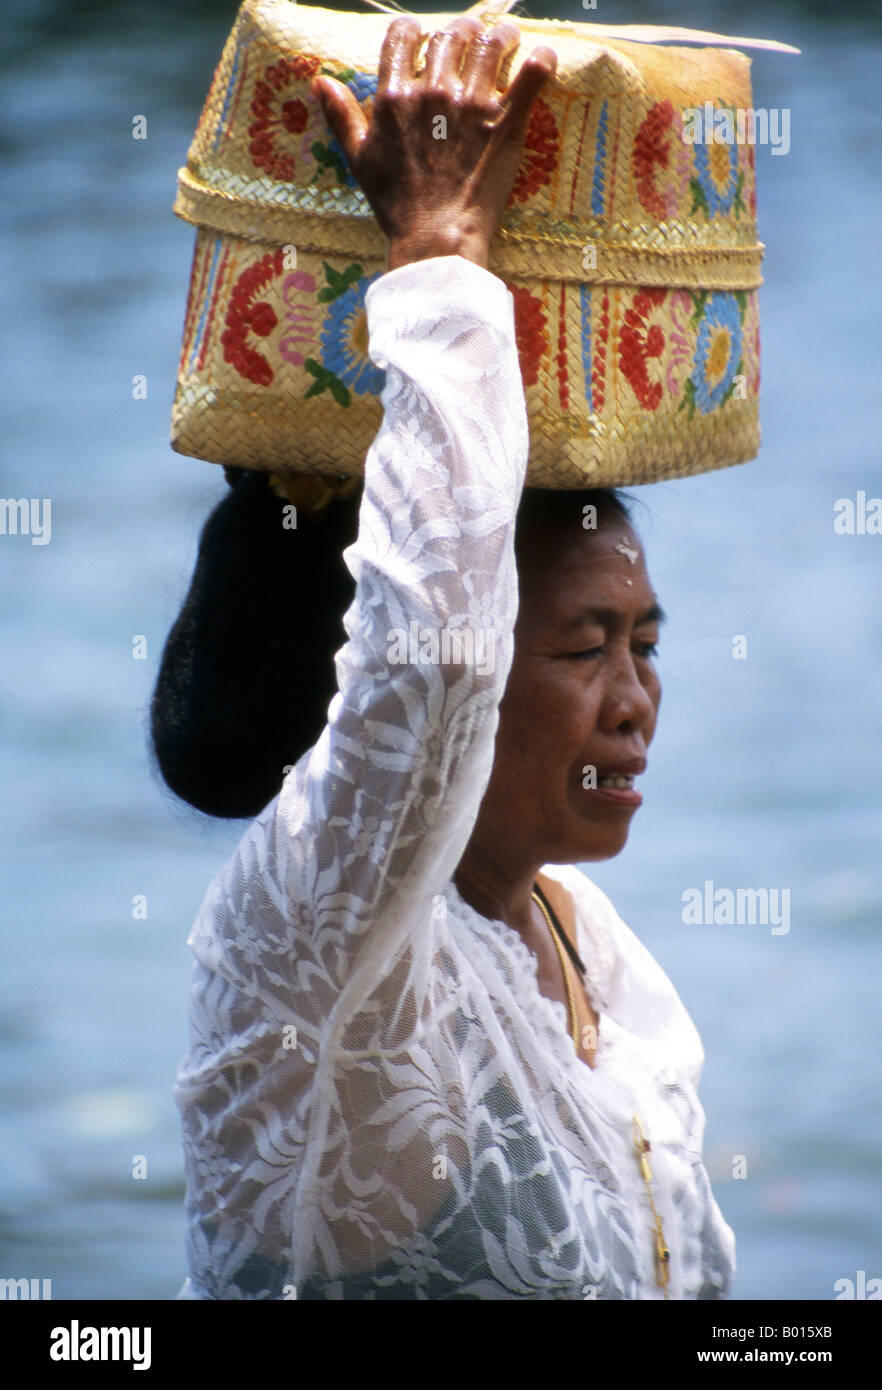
point(342, 113)
point(445, 51)
point(398, 55)
point(485, 57)
point(536, 71)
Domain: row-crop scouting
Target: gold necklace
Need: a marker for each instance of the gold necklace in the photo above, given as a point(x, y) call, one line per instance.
point(662, 1253)
point(641, 1143)
point(571, 998)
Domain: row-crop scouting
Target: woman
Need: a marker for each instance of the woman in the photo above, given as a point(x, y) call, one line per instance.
point(427, 1058)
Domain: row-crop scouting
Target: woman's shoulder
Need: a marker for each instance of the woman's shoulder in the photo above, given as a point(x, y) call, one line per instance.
point(601, 930)
point(629, 982)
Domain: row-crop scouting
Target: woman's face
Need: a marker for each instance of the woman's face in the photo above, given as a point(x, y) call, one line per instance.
point(582, 698)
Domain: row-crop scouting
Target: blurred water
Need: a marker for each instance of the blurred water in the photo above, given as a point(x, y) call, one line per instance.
point(765, 772)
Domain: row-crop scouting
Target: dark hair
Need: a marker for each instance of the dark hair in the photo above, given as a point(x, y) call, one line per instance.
point(247, 672)
point(564, 509)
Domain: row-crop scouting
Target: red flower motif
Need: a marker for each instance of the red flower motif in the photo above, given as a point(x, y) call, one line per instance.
point(294, 116)
point(244, 316)
point(651, 152)
point(541, 150)
point(272, 118)
point(637, 348)
point(530, 332)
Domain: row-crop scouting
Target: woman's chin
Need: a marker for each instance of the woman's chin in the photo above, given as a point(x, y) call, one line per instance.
point(594, 843)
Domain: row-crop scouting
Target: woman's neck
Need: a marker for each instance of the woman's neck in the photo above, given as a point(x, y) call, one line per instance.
point(497, 886)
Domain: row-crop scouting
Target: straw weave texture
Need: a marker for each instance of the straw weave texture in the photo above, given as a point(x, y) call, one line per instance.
point(630, 252)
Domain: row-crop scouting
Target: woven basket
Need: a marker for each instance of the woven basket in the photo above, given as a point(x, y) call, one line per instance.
point(631, 255)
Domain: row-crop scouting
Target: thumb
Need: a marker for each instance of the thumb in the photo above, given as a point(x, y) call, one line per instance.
point(342, 113)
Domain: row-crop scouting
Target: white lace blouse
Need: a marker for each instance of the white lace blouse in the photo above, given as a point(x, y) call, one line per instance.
point(377, 1101)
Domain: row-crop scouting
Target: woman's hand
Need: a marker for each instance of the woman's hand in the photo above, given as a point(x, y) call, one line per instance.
point(439, 155)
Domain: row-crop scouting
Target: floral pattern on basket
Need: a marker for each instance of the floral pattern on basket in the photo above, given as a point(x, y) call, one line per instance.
point(247, 314)
point(330, 343)
point(287, 121)
point(639, 343)
point(540, 156)
point(294, 334)
point(279, 116)
point(665, 166)
point(531, 332)
point(345, 335)
point(673, 179)
point(659, 149)
point(643, 363)
point(718, 359)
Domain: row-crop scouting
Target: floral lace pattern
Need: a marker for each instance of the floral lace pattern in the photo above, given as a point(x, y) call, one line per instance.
point(377, 1101)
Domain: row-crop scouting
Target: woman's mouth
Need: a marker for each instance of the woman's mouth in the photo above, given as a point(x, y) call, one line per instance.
point(621, 790)
point(618, 786)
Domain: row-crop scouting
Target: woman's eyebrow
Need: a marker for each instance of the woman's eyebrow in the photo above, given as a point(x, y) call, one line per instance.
point(654, 614)
point(601, 616)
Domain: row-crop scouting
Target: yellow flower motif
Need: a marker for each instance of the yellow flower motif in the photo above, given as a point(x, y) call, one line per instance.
point(720, 167)
point(718, 356)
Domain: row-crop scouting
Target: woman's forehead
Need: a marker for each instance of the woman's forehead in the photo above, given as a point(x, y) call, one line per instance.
point(557, 547)
point(569, 574)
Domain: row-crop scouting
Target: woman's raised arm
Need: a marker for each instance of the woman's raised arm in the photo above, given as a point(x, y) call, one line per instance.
point(330, 913)
point(370, 825)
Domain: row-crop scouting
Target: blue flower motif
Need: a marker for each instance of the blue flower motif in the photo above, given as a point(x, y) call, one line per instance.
point(345, 340)
point(712, 161)
point(717, 352)
point(362, 85)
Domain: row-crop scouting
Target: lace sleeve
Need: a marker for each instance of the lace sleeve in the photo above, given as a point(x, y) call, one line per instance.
point(331, 892)
point(375, 823)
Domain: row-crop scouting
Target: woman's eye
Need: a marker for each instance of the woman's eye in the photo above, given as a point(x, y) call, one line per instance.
point(646, 650)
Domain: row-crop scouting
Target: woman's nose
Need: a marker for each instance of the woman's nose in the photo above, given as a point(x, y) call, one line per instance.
point(629, 701)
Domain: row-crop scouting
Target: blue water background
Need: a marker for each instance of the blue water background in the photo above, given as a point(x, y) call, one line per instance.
point(765, 773)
